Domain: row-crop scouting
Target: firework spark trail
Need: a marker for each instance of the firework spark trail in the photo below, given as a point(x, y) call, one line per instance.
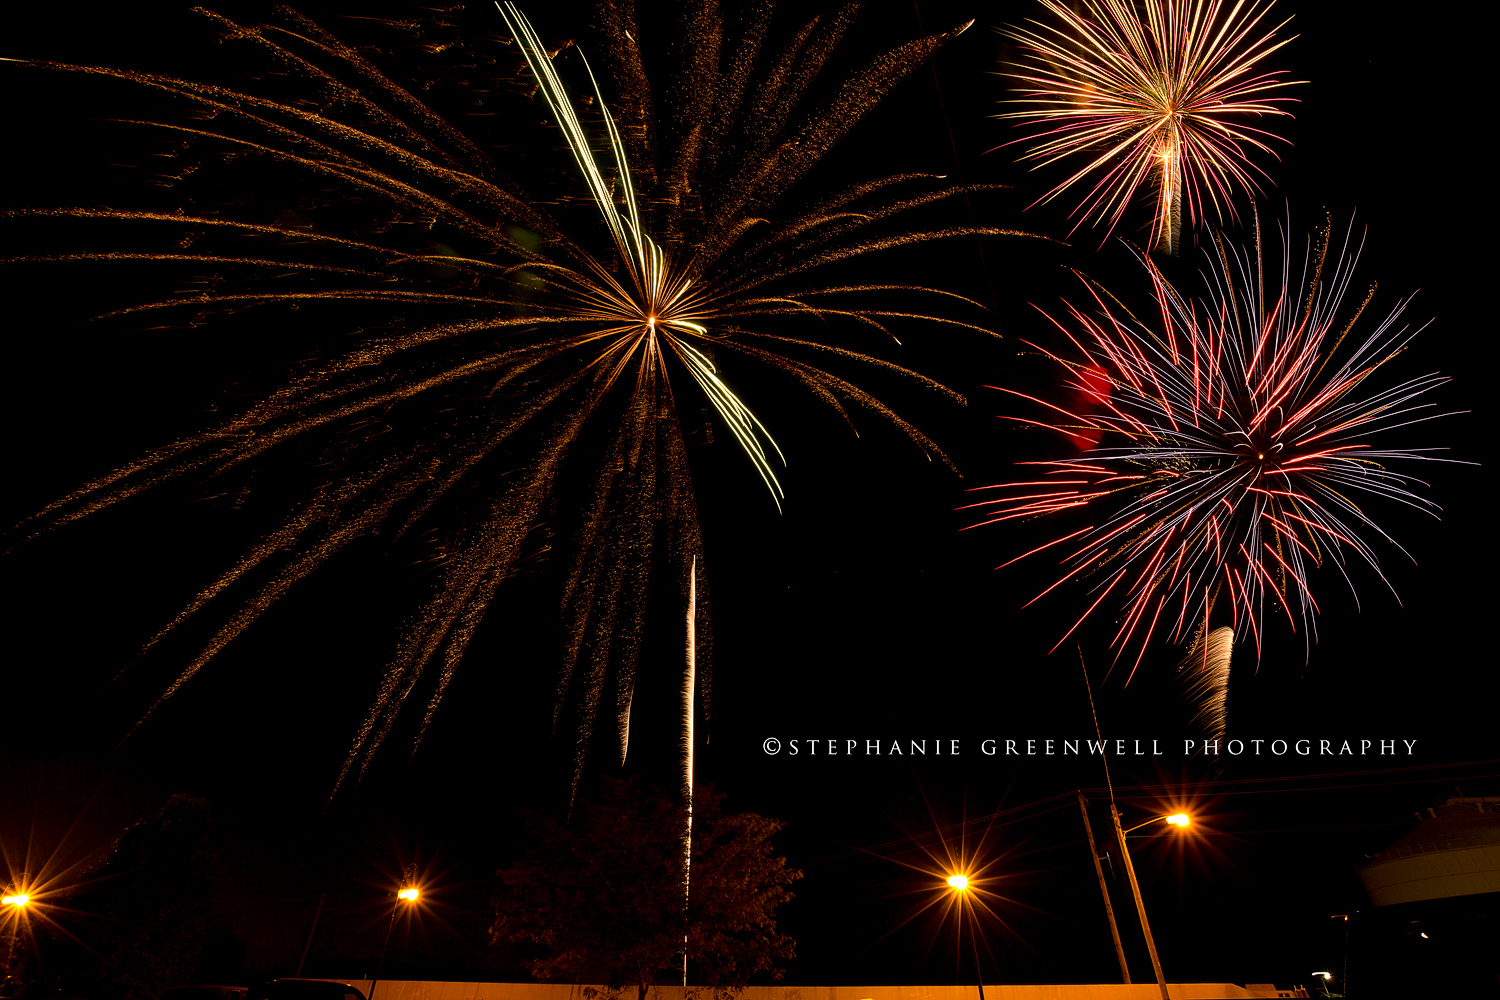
point(1237, 435)
point(527, 373)
point(660, 306)
point(1149, 94)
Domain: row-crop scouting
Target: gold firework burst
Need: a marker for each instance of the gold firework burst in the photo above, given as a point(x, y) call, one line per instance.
point(1150, 94)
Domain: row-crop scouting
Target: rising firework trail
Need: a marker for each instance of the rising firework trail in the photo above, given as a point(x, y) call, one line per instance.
point(1148, 96)
point(498, 375)
point(1228, 446)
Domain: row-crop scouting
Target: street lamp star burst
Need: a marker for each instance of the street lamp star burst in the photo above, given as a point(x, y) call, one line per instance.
point(961, 893)
point(27, 901)
point(955, 886)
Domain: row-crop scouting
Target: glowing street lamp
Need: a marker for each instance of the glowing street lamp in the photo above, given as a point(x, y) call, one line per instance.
point(959, 883)
point(406, 897)
point(14, 904)
point(1179, 821)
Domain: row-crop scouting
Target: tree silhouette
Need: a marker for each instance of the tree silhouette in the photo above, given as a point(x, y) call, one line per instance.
point(155, 889)
point(604, 892)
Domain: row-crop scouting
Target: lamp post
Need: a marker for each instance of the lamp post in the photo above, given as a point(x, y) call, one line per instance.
point(406, 896)
point(310, 932)
point(959, 883)
point(12, 912)
point(1181, 821)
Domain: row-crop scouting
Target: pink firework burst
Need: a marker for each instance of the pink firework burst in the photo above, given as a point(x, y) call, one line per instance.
point(1153, 95)
point(1227, 446)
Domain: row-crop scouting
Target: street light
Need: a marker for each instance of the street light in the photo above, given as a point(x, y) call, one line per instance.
point(959, 883)
point(17, 896)
point(1177, 820)
point(1180, 820)
point(406, 895)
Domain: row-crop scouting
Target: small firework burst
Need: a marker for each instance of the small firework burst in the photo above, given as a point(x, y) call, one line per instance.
point(1227, 447)
point(1150, 95)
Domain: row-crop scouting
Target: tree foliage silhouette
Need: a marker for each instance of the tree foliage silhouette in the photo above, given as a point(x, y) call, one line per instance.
point(155, 892)
point(604, 892)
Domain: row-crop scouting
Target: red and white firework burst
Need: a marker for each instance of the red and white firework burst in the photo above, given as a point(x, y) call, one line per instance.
point(1228, 446)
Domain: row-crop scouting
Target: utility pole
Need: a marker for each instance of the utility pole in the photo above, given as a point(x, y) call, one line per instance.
point(310, 932)
point(1109, 909)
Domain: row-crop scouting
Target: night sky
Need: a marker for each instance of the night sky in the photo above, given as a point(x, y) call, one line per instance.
point(861, 612)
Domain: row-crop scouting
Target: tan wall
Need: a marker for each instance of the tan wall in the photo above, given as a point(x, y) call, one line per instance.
point(392, 989)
